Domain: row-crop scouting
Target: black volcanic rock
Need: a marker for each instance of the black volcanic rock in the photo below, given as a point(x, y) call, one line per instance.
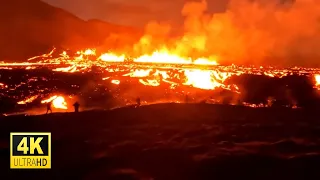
point(32, 27)
point(174, 142)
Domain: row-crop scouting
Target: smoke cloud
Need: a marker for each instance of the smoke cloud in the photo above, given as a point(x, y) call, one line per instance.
point(264, 32)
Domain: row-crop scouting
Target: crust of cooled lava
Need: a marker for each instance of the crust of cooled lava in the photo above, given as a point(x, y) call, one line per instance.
point(174, 141)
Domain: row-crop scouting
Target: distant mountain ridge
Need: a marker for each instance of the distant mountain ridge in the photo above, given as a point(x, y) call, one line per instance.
point(32, 27)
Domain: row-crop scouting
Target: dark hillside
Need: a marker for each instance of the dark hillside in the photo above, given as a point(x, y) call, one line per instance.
point(32, 27)
point(173, 142)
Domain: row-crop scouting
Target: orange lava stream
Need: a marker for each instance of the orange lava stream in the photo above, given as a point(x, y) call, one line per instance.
point(205, 73)
point(28, 100)
point(58, 102)
point(317, 79)
point(152, 69)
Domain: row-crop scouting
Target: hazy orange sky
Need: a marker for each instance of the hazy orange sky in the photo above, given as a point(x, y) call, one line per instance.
point(131, 12)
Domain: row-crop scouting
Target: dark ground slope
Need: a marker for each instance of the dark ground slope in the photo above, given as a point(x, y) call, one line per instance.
point(174, 141)
point(32, 27)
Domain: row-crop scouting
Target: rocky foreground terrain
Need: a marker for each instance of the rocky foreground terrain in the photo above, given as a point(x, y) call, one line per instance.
point(174, 141)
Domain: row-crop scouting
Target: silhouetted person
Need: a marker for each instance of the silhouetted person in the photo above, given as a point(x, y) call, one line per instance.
point(76, 106)
point(187, 99)
point(49, 104)
point(138, 101)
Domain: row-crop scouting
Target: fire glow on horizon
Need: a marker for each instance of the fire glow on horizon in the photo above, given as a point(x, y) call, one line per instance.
point(248, 30)
point(58, 102)
point(175, 71)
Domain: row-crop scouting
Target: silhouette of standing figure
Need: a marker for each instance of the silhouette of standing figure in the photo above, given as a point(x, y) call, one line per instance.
point(76, 107)
point(187, 99)
point(49, 104)
point(138, 101)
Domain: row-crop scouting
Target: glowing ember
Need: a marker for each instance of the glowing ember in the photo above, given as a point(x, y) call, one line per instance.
point(3, 86)
point(117, 82)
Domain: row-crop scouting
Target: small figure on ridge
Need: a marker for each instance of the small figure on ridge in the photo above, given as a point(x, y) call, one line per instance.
point(138, 102)
point(49, 104)
point(187, 99)
point(76, 107)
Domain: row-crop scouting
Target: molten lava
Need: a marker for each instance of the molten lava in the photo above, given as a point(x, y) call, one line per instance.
point(159, 66)
point(28, 100)
point(58, 102)
point(317, 78)
point(156, 69)
point(247, 31)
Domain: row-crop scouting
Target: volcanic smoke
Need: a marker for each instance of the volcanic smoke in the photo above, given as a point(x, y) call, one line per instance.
point(248, 32)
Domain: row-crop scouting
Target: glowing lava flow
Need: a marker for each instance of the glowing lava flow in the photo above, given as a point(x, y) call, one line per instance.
point(44, 55)
point(165, 57)
point(197, 78)
point(58, 102)
point(155, 68)
point(28, 100)
point(317, 78)
point(201, 79)
point(117, 82)
point(3, 86)
point(110, 57)
point(81, 58)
